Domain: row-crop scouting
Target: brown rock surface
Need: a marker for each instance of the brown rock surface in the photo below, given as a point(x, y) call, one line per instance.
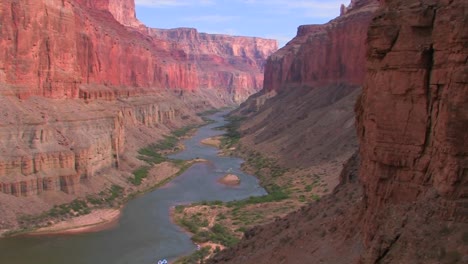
point(413, 114)
point(226, 62)
point(323, 54)
point(230, 179)
point(410, 203)
point(304, 115)
point(83, 85)
point(53, 48)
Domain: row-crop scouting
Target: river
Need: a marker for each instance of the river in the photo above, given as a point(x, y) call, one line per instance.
point(145, 232)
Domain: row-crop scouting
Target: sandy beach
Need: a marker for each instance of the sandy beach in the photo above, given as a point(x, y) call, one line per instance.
point(97, 220)
point(212, 141)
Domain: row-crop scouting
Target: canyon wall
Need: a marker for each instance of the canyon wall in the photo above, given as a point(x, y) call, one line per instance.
point(309, 91)
point(413, 114)
point(51, 48)
point(323, 54)
point(235, 63)
point(408, 201)
point(54, 47)
point(84, 82)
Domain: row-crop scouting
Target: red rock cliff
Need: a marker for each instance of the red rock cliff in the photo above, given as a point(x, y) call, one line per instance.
point(85, 52)
point(55, 48)
point(412, 122)
point(413, 114)
point(323, 54)
point(122, 10)
point(51, 48)
point(236, 63)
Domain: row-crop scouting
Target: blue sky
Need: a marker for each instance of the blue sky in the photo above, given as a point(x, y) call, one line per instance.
point(277, 19)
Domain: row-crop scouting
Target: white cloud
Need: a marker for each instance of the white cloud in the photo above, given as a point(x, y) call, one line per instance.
point(171, 3)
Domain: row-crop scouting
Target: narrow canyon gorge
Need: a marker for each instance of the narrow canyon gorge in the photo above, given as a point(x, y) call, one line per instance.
point(84, 85)
point(401, 197)
point(356, 128)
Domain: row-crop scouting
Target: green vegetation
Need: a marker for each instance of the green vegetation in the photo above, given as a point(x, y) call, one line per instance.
point(275, 194)
point(115, 192)
point(151, 155)
point(232, 135)
point(315, 197)
point(204, 115)
point(156, 153)
point(217, 234)
point(138, 175)
point(259, 162)
point(196, 257)
point(208, 112)
point(199, 227)
point(76, 207)
point(193, 223)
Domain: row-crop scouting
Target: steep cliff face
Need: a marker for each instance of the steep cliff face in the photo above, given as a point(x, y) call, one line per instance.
point(413, 114)
point(409, 205)
point(323, 54)
point(122, 10)
point(309, 90)
point(51, 48)
point(235, 63)
point(83, 85)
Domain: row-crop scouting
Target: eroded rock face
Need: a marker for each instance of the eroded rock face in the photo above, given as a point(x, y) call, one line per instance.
point(413, 114)
point(310, 88)
point(323, 54)
point(235, 63)
point(412, 122)
point(116, 75)
point(52, 48)
point(50, 148)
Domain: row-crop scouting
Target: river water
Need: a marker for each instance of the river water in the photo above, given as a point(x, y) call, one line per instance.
point(145, 233)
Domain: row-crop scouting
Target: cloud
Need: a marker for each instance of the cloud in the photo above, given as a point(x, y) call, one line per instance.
point(210, 18)
point(172, 3)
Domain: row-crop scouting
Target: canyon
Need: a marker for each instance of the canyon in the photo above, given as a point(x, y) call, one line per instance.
point(368, 110)
point(84, 85)
point(401, 197)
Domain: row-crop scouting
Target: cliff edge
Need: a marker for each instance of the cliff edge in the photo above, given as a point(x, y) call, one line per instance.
point(405, 200)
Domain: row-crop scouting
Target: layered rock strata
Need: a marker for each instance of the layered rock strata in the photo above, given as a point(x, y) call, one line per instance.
point(53, 48)
point(412, 115)
point(323, 54)
point(234, 63)
point(309, 91)
point(79, 79)
point(409, 205)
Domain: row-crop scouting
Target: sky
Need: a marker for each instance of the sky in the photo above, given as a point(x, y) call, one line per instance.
point(275, 19)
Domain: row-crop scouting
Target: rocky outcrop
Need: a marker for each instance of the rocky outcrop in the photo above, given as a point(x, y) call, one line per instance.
point(310, 88)
point(53, 48)
point(412, 116)
point(49, 148)
point(122, 10)
point(326, 54)
point(235, 63)
point(76, 76)
point(409, 205)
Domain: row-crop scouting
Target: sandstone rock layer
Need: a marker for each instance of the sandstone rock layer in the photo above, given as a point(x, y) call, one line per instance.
point(408, 202)
point(413, 112)
point(84, 82)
